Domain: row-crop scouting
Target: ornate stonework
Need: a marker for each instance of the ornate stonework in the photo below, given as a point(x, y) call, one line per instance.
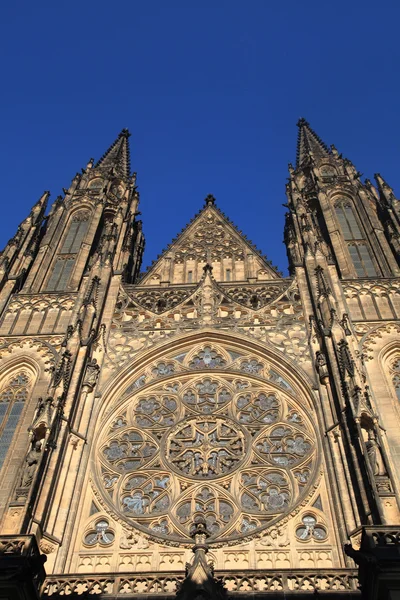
point(208, 401)
point(167, 441)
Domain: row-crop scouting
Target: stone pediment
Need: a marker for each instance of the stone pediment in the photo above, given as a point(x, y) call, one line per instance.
point(210, 238)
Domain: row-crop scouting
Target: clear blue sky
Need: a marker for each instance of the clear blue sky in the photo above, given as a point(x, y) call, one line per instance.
point(211, 91)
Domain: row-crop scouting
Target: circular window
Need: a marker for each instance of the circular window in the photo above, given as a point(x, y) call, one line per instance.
point(238, 451)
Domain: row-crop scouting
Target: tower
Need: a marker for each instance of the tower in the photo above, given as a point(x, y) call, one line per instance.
point(209, 398)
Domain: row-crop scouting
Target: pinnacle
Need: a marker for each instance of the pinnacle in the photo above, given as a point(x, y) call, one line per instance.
point(308, 141)
point(117, 157)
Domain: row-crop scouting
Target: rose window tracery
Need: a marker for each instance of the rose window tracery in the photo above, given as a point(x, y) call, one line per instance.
point(237, 450)
point(205, 447)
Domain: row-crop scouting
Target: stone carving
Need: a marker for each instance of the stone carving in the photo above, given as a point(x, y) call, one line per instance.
point(47, 547)
point(161, 448)
point(374, 454)
point(129, 450)
point(321, 367)
point(31, 463)
point(92, 374)
point(265, 491)
point(260, 408)
point(131, 540)
point(156, 411)
point(206, 447)
point(144, 494)
point(207, 359)
point(280, 323)
point(276, 537)
point(129, 583)
point(207, 396)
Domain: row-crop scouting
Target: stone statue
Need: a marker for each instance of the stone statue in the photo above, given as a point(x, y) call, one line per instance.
point(31, 463)
point(92, 373)
point(320, 365)
point(41, 405)
point(374, 454)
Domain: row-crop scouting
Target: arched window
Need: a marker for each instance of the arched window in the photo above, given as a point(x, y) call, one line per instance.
point(395, 375)
point(70, 247)
point(12, 399)
point(359, 251)
point(347, 221)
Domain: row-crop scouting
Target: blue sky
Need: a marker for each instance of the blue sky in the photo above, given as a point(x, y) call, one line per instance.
point(211, 92)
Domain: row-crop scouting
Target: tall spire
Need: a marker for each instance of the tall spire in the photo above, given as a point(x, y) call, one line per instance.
point(117, 156)
point(309, 141)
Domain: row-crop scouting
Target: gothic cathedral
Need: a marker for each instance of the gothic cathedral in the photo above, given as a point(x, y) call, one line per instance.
point(207, 428)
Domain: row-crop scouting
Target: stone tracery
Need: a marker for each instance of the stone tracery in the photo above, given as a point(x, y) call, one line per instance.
point(171, 436)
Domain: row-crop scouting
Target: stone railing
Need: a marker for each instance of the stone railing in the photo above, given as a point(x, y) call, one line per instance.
point(341, 581)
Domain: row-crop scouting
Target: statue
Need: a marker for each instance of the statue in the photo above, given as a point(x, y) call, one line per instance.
point(31, 463)
point(41, 405)
point(321, 366)
point(92, 374)
point(374, 454)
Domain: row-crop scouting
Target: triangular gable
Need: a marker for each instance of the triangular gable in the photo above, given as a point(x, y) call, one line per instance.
point(210, 238)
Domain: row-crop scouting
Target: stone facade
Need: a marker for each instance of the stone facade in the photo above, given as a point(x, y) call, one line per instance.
point(208, 392)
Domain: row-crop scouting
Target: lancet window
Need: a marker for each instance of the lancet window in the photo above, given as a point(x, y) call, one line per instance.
point(362, 261)
point(13, 397)
point(348, 221)
point(359, 251)
point(63, 266)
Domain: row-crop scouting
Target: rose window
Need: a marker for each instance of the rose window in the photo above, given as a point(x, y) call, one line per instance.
point(239, 451)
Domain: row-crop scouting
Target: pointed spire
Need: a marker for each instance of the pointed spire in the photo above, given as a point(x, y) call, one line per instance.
point(39, 208)
point(309, 141)
point(384, 188)
point(117, 156)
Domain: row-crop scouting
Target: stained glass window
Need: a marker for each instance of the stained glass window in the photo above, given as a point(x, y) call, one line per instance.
point(347, 221)
point(362, 261)
point(250, 438)
point(64, 264)
point(12, 399)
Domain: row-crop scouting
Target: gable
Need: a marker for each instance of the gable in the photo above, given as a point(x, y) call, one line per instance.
point(210, 239)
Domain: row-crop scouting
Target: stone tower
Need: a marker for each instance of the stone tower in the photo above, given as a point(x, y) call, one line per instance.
point(208, 399)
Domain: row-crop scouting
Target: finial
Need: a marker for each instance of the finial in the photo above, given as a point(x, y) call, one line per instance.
point(199, 530)
point(302, 121)
point(207, 269)
point(125, 133)
point(210, 199)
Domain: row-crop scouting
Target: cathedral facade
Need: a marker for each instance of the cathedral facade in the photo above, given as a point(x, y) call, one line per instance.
point(209, 410)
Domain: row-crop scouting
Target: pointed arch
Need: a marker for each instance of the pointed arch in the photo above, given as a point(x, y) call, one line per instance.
point(14, 395)
point(74, 234)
